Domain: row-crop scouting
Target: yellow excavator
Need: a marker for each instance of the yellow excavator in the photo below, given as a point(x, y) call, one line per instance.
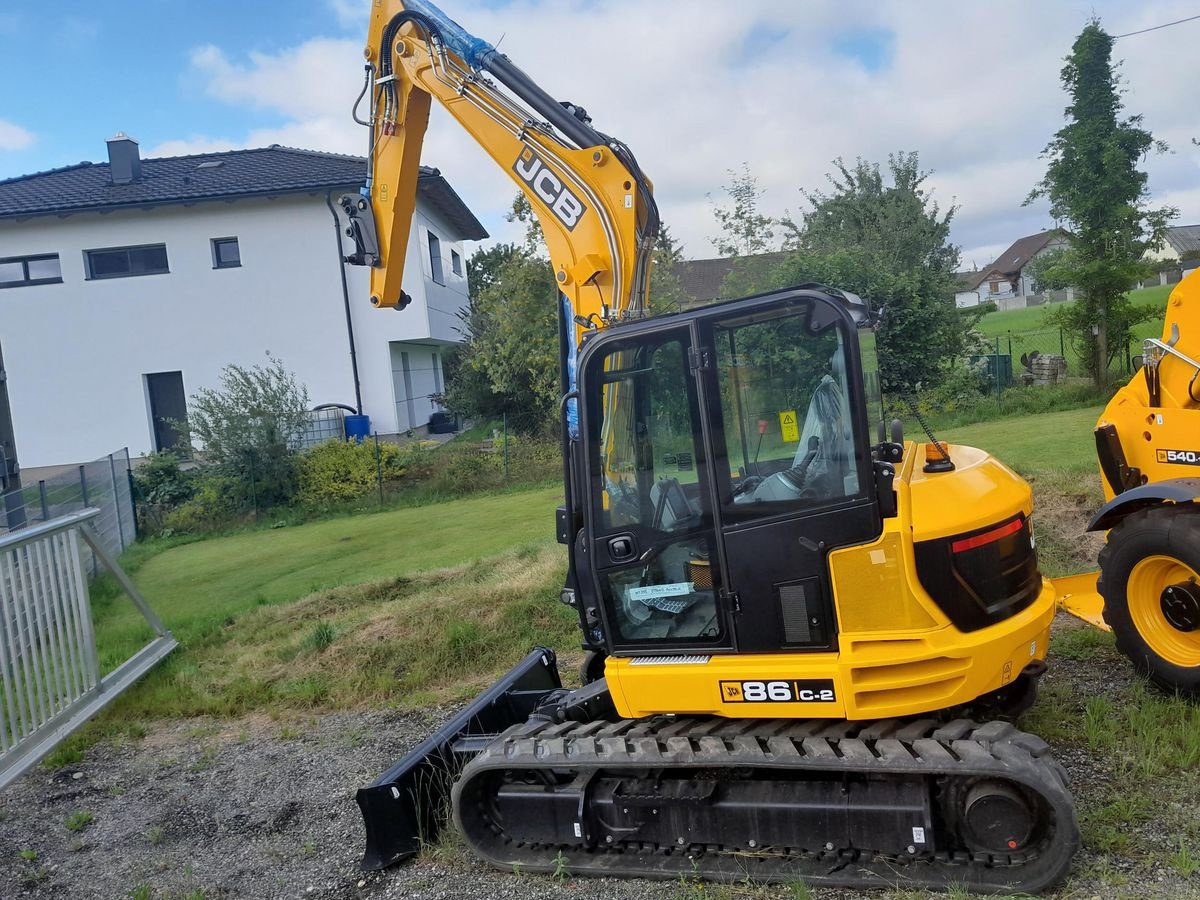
point(1148, 449)
point(790, 625)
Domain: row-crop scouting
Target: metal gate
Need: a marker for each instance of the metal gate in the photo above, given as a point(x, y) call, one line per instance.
point(50, 682)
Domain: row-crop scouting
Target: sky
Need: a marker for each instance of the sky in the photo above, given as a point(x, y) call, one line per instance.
point(696, 88)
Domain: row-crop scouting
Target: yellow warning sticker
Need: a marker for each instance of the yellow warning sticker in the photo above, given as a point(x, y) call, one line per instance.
point(789, 426)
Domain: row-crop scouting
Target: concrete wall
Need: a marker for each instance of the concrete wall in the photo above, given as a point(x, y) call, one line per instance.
point(76, 354)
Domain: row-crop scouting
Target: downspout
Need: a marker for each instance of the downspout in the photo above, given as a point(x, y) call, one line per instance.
point(337, 231)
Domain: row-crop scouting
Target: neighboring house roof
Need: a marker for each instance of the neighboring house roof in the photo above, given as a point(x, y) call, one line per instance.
point(261, 172)
point(968, 281)
point(1017, 257)
point(702, 278)
point(1183, 238)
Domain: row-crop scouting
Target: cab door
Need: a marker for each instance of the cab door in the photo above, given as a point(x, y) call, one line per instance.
point(783, 397)
point(652, 540)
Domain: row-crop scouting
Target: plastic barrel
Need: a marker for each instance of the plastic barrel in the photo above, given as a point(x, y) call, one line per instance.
point(358, 427)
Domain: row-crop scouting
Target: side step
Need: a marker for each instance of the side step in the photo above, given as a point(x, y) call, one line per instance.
point(406, 805)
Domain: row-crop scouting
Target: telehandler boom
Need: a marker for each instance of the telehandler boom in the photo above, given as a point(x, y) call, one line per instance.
point(786, 623)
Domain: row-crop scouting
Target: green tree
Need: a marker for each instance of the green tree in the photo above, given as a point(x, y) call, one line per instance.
point(666, 290)
point(250, 429)
point(1094, 185)
point(744, 230)
point(889, 243)
point(484, 265)
point(508, 362)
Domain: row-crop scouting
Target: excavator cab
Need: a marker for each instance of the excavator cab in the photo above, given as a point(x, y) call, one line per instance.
point(727, 452)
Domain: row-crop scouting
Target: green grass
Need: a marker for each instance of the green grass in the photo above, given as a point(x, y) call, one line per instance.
point(79, 820)
point(1019, 331)
point(1038, 444)
point(202, 587)
point(1033, 318)
point(405, 608)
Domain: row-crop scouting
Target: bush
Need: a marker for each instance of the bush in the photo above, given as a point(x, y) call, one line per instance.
point(345, 470)
point(214, 506)
point(161, 483)
point(250, 430)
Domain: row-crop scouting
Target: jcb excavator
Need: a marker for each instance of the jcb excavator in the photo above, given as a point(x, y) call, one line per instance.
point(786, 624)
point(1148, 448)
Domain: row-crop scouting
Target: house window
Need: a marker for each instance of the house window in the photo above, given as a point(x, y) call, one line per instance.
point(225, 253)
point(123, 262)
point(435, 258)
point(994, 287)
point(22, 271)
point(455, 263)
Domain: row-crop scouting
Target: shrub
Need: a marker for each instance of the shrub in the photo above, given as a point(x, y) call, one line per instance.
point(161, 482)
point(250, 430)
point(214, 505)
point(346, 470)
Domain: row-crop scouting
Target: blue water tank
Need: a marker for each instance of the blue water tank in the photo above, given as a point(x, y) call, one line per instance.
point(358, 427)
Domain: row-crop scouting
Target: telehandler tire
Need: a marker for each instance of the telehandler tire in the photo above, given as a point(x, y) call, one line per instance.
point(1150, 581)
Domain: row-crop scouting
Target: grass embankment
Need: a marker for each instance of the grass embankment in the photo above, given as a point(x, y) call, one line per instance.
point(407, 608)
point(1033, 318)
point(1020, 331)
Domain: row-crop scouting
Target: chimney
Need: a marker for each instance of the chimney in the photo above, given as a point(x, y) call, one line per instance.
point(124, 163)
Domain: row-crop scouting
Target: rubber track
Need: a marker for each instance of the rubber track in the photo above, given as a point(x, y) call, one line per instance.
point(960, 749)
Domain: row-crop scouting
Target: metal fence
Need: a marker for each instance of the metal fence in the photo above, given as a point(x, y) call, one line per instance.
point(103, 484)
point(1045, 356)
point(50, 681)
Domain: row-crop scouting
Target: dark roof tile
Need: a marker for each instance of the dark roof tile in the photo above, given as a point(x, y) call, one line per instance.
point(265, 171)
point(702, 278)
point(1017, 257)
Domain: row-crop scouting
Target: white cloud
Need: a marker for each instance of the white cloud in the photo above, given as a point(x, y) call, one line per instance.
point(695, 92)
point(351, 13)
point(14, 137)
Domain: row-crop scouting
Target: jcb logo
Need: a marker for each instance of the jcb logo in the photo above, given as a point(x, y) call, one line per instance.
point(1179, 457)
point(567, 208)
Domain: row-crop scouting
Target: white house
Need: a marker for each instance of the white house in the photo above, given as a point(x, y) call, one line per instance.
point(1009, 276)
point(1179, 240)
point(128, 285)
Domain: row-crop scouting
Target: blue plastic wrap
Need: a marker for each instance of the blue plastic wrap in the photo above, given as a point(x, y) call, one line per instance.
point(473, 51)
point(572, 356)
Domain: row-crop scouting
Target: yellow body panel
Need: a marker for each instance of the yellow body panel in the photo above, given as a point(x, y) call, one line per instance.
point(1158, 440)
point(896, 674)
point(898, 654)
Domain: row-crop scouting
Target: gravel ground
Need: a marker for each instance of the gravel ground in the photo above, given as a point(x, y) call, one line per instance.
point(263, 809)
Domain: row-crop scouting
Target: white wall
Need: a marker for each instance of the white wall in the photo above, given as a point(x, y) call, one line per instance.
point(76, 353)
point(1027, 285)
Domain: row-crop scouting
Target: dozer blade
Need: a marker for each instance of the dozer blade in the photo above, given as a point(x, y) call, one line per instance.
point(1077, 594)
point(406, 805)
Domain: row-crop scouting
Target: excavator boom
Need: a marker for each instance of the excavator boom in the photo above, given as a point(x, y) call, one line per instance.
point(595, 206)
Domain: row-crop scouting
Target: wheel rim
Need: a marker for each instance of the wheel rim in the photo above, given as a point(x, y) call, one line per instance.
point(1158, 585)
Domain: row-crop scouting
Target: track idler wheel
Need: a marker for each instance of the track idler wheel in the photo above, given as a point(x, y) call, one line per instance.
point(996, 818)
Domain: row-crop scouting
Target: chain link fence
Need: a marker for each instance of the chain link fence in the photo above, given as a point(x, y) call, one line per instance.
point(1044, 357)
point(103, 484)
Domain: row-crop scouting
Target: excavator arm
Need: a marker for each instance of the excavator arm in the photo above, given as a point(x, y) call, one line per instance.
point(595, 206)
